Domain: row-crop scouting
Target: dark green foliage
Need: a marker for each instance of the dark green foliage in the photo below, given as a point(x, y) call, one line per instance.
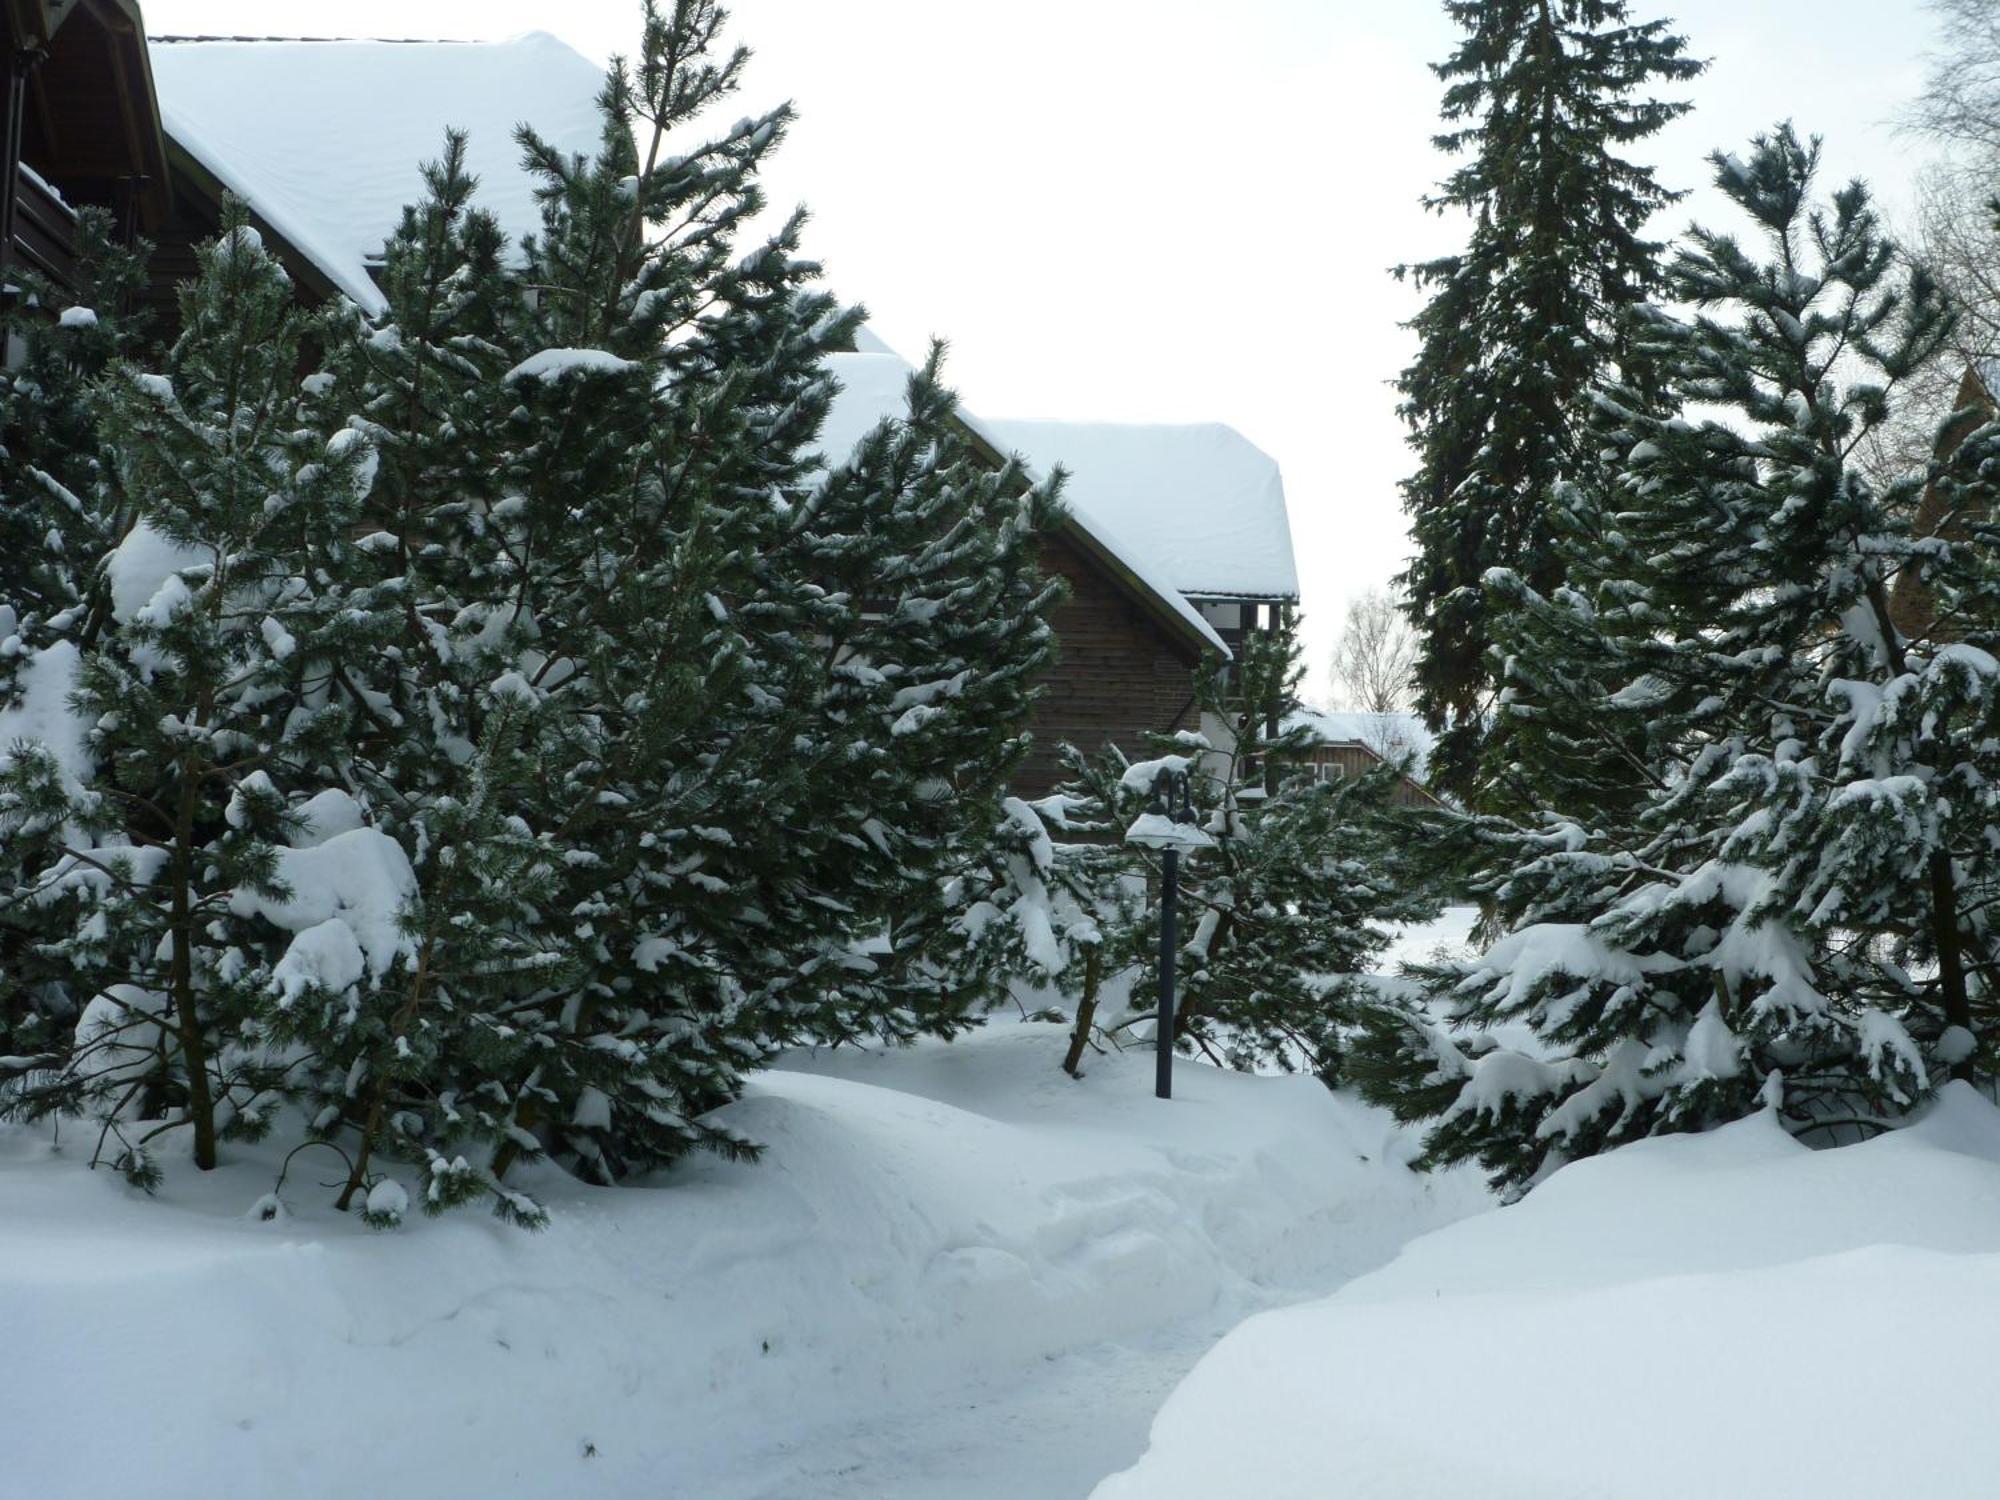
point(528, 731)
point(1283, 913)
point(1542, 97)
point(1771, 875)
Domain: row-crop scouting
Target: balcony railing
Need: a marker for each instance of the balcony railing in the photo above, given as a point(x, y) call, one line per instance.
point(44, 230)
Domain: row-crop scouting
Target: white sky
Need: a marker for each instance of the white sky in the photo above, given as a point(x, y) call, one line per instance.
point(1164, 210)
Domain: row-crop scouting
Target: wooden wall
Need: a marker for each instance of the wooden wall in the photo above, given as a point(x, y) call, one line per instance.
point(1334, 761)
point(1119, 673)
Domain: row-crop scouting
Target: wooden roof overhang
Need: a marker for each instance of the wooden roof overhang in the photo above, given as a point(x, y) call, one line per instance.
point(199, 188)
point(91, 122)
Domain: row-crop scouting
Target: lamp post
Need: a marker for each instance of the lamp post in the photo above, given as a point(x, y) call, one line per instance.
point(1168, 825)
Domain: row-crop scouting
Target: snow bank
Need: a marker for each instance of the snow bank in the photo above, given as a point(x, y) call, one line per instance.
point(922, 1221)
point(1720, 1315)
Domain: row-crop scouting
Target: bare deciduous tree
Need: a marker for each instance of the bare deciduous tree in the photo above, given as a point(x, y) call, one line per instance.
point(1960, 103)
point(1954, 233)
point(1374, 656)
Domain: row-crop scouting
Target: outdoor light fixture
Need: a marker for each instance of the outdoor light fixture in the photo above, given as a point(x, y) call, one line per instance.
point(1168, 825)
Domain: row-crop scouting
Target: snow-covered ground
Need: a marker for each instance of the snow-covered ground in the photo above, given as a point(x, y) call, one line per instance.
point(956, 1272)
point(1726, 1315)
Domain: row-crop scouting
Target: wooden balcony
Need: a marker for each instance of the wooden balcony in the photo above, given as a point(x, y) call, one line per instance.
point(44, 230)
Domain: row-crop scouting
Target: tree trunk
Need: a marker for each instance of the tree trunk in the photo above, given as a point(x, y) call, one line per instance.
point(194, 1053)
point(359, 1172)
point(1086, 1011)
point(1951, 954)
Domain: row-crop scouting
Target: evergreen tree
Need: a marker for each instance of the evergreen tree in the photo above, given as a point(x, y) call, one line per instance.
point(59, 512)
point(56, 500)
point(202, 710)
point(1543, 95)
point(1795, 910)
point(1283, 914)
point(513, 732)
point(764, 705)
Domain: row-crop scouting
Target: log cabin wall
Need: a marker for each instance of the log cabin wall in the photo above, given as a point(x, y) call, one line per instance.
point(1334, 762)
point(1118, 673)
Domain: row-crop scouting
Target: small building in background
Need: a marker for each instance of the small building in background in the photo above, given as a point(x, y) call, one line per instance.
point(1353, 744)
point(1206, 504)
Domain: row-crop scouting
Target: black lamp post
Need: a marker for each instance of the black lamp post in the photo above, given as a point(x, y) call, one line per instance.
point(1168, 825)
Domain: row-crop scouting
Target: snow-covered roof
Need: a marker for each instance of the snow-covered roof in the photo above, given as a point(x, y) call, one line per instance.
point(1206, 503)
point(324, 139)
point(1391, 736)
point(872, 387)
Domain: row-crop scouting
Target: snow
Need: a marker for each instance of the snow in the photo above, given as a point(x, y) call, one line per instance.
point(358, 881)
point(554, 364)
point(1158, 831)
point(40, 713)
point(1447, 937)
point(1141, 775)
point(256, 114)
point(141, 565)
point(873, 384)
point(1722, 1314)
point(956, 1271)
point(326, 814)
point(77, 317)
point(388, 1200)
point(1207, 503)
point(325, 956)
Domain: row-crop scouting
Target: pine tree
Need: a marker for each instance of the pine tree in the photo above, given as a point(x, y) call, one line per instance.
point(1517, 327)
point(59, 511)
point(513, 732)
point(202, 710)
point(1283, 915)
point(54, 481)
point(766, 706)
point(1794, 911)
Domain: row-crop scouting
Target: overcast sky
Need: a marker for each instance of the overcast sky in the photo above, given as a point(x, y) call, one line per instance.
point(1164, 210)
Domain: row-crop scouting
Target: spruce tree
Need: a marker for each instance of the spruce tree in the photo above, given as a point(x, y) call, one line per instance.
point(1793, 911)
point(1545, 96)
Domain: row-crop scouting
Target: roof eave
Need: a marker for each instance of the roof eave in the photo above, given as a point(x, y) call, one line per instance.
point(1129, 582)
point(124, 22)
point(302, 267)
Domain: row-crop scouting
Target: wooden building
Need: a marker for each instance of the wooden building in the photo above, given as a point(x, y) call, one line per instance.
point(1353, 744)
point(322, 140)
point(79, 128)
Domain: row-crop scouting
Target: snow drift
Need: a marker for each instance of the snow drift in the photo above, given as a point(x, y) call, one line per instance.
point(921, 1220)
point(1722, 1315)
